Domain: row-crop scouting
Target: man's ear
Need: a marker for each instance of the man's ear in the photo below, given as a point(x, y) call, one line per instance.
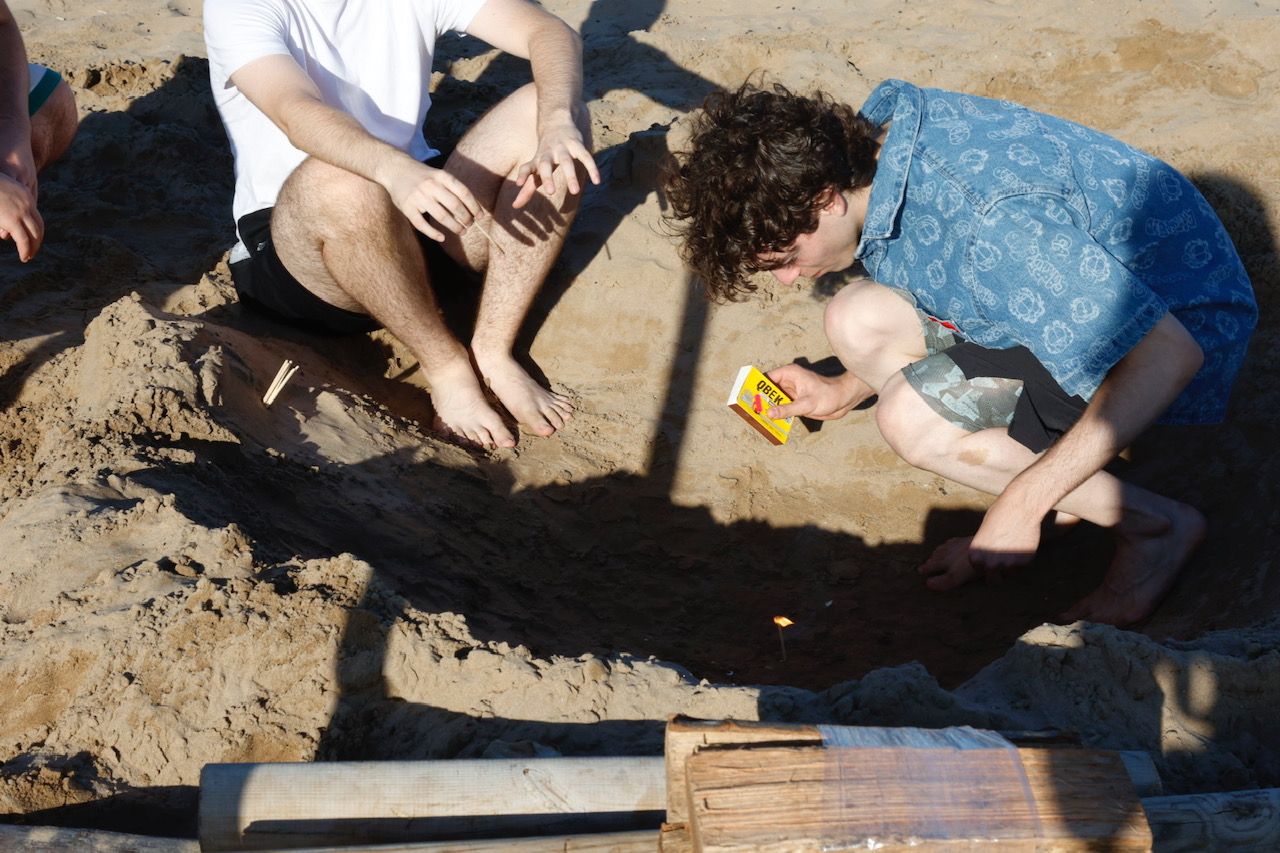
point(832, 203)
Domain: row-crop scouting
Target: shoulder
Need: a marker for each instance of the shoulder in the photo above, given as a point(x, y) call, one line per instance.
point(232, 16)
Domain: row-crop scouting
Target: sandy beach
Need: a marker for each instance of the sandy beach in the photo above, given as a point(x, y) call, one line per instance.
point(188, 576)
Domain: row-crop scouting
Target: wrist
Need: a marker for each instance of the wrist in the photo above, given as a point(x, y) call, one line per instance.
point(1023, 497)
point(555, 117)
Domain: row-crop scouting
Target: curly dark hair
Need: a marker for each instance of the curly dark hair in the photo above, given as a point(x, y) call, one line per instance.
point(759, 162)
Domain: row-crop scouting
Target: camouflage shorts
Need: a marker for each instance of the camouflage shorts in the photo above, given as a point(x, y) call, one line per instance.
point(975, 404)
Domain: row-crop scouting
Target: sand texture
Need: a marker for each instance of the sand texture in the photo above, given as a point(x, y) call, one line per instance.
point(187, 576)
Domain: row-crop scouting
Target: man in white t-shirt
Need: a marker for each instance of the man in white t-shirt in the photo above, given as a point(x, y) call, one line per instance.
point(348, 218)
point(37, 123)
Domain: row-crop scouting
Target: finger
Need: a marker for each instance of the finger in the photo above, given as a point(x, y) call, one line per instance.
point(462, 193)
point(417, 220)
point(546, 173)
point(443, 217)
point(798, 408)
point(522, 175)
point(583, 156)
point(457, 209)
point(23, 241)
point(785, 375)
point(527, 190)
point(950, 579)
point(570, 168)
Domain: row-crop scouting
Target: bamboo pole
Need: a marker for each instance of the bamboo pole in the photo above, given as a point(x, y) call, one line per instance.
point(282, 806)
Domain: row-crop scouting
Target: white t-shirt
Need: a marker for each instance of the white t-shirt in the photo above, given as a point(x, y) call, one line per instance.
point(369, 58)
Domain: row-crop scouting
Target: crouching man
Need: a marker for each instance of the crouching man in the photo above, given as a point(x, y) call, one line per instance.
point(1040, 293)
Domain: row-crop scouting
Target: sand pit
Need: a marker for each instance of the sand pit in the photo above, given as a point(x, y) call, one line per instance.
point(191, 577)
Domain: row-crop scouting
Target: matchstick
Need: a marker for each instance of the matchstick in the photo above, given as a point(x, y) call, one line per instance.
point(492, 242)
point(283, 375)
point(782, 622)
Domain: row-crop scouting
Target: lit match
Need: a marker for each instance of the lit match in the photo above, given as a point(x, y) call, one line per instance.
point(782, 622)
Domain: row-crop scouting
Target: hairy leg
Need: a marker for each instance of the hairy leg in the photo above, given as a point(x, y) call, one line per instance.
point(526, 244)
point(343, 239)
point(1155, 534)
point(53, 126)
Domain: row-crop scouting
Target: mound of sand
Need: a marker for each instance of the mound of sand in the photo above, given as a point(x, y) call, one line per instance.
point(192, 577)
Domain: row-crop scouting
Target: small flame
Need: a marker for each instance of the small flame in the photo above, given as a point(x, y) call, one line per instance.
point(782, 621)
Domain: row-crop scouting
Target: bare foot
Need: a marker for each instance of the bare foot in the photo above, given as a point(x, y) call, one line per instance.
point(1149, 554)
point(948, 566)
point(462, 409)
point(542, 411)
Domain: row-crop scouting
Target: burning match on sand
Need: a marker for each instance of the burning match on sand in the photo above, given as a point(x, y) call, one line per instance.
point(782, 622)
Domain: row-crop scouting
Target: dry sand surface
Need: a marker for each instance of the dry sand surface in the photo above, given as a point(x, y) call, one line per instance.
point(189, 577)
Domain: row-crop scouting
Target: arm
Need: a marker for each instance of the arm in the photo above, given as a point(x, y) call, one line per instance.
point(555, 53)
point(19, 219)
point(279, 87)
point(15, 124)
point(1134, 393)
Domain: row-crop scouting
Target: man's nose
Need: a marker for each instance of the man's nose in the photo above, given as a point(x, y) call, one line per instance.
point(787, 274)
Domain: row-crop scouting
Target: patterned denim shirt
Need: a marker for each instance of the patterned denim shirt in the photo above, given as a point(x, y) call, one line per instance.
point(1021, 228)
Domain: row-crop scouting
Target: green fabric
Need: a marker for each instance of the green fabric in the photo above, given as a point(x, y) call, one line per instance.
point(41, 91)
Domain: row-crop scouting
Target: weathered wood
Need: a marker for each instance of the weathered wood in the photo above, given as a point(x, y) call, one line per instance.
point(56, 839)
point(685, 735)
point(675, 838)
point(610, 842)
point(809, 798)
point(264, 806)
point(1235, 820)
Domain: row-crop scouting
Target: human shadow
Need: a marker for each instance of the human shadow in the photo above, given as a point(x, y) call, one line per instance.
point(140, 202)
point(1229, 470)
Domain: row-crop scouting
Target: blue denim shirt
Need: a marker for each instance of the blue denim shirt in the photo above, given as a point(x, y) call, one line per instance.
point(1021, 228)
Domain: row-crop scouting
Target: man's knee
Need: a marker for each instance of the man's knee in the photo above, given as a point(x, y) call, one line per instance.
point(865, 320)
point(319, 189)
point(54, 126)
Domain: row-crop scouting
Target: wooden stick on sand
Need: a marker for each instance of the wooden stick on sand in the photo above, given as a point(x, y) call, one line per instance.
point(283, 375)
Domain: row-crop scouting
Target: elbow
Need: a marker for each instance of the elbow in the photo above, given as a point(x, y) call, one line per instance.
point(1185, 362)
point(1193, 360)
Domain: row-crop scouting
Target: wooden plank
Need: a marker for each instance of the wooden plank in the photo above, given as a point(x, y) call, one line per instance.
point(810, 799)
point(291, 805)
point(685, 735)
point(56, 839)
point(1236, 820)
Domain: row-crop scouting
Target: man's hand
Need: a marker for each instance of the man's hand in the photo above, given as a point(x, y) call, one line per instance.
point(418, 189)
point(19, 219)
point(555, 164)
point(816, 396)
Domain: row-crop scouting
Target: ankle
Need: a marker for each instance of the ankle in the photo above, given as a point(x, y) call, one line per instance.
point(491, 356)
point(452, 370)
